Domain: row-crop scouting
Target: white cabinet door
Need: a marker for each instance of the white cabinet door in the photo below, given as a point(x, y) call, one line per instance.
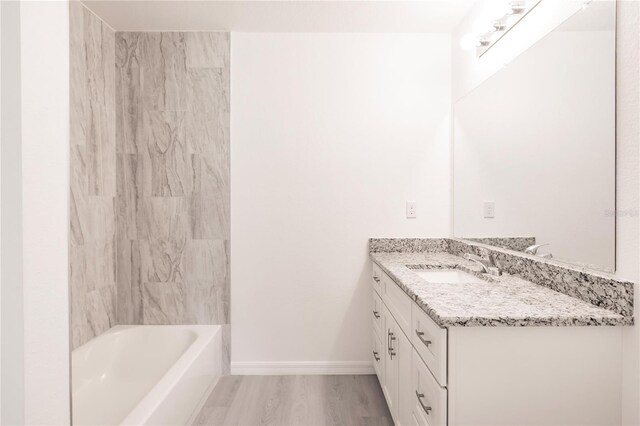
point(405, 385)
point(390, 385)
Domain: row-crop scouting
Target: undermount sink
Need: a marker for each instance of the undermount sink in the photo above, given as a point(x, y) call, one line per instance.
point(447, 276)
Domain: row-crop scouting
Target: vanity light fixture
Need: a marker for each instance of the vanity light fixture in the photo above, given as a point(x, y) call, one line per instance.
point(482, 26)
point(498, 20)
point(498, 26)
point(517, 7)
point(471, 41)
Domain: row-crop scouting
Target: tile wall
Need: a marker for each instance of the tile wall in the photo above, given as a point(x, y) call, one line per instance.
point(92, 175)
point(150, 177)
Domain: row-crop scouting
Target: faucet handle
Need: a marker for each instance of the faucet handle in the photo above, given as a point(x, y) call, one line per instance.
point(534, 248)
point(495, 271)
point(474, 258)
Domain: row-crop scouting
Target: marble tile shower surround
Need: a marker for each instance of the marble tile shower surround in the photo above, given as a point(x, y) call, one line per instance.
point(599, 289)
point(172, 97)
point(149, 164)
point(92, 249)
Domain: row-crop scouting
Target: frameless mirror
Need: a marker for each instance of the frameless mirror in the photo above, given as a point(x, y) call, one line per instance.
point(534, 147)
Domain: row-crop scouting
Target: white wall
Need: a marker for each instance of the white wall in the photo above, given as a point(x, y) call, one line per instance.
point(628, 149)
point(12, 348)
point(330, 135)
point(45, 185)
point(538, 139)
point(628, 204)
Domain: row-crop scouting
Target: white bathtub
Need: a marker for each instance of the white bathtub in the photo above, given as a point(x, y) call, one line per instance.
point(145, 374)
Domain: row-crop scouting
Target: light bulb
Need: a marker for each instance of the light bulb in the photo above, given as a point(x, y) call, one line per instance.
point(469, 42)
point(497, 26)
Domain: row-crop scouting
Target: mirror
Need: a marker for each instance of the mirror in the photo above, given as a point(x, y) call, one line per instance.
point(534, 147)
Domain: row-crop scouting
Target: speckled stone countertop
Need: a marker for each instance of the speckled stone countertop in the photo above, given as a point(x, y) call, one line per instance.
point(501, 301)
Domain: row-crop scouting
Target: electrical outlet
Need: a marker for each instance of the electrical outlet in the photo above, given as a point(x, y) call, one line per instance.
point(411, 210)
point(489, 209)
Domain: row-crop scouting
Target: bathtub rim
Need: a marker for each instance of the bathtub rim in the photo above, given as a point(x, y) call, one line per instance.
point(152, 400)
point(156, 396)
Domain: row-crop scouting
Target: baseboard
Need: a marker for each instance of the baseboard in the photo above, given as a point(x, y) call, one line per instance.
point(301, 368)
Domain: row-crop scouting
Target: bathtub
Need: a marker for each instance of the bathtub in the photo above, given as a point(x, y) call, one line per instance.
point(145, 374)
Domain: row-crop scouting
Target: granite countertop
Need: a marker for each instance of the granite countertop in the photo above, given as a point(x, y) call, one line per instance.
point(506, 300)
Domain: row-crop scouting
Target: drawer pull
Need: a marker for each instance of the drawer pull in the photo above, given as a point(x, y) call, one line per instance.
point(420, 334)
point(376, 314)
point(376, 279)
point(391, 339)
point(375, 356)
point(426, 408)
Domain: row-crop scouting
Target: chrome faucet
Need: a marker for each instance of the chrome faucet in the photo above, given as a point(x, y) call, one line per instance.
point(534, 251)
point(488, 265)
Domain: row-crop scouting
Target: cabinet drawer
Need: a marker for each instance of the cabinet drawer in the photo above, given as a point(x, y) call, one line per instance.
point(376, 279)
point(377, 353)
point(429, 407)
point(398, 302)
point(376, 315)
point(430, 342)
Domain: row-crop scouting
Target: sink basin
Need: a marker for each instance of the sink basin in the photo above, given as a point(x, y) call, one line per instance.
point(447, 276)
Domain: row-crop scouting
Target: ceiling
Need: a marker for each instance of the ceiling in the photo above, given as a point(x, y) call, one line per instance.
point(282, 16)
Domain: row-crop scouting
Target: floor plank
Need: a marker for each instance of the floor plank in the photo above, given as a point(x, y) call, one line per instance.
point(296, 401)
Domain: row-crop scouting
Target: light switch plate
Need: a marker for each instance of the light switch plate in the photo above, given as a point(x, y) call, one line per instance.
point(489, 209)
point(411, 210)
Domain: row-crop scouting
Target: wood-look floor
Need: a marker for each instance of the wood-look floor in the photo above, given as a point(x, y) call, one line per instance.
point(296, 400)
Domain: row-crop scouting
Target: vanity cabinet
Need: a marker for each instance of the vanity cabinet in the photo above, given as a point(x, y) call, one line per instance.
point(406, 391)
point(479, 375)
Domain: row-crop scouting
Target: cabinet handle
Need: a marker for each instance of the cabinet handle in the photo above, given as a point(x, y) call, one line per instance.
point(376, 314)
point(420, 334)
point(376, 279)
point(391, 352)
point(375, 356)
point(424, 407)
